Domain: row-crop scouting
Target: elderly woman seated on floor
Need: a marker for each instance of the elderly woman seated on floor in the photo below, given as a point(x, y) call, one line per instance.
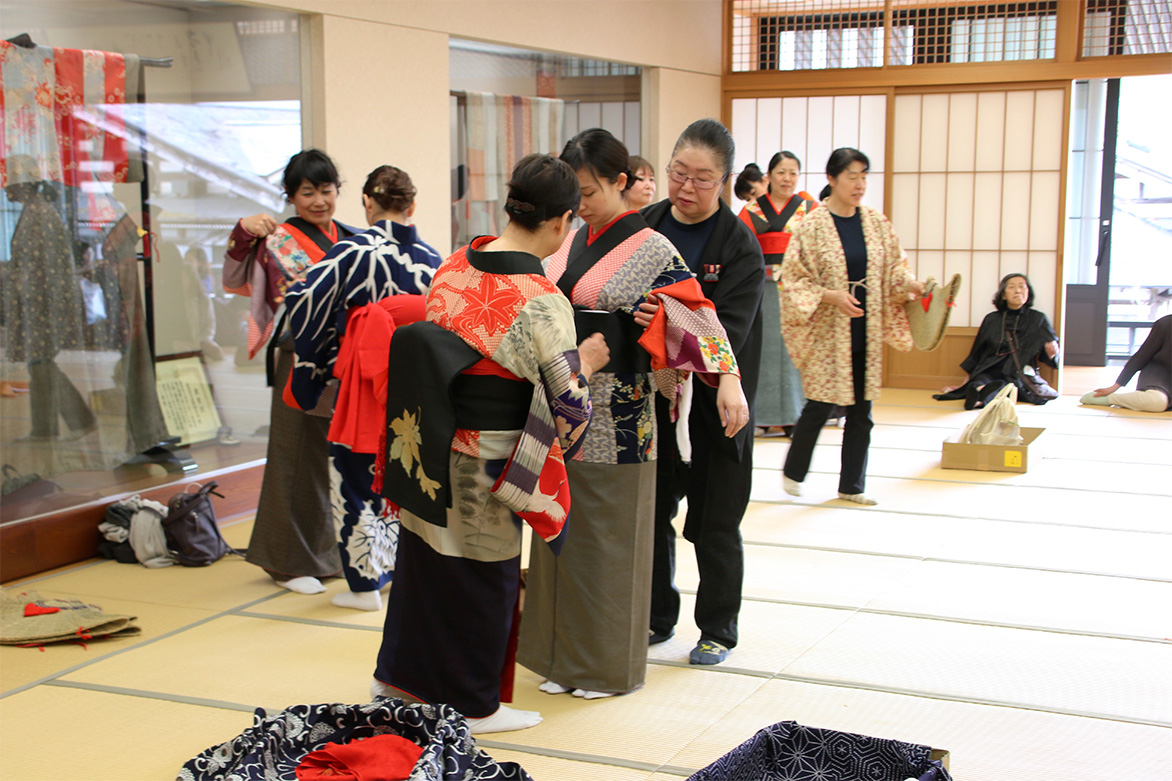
point(1153, 361)
point(1010, 342)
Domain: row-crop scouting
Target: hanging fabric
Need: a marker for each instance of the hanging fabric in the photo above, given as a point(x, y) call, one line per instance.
point(497, 131)
point(64, 109)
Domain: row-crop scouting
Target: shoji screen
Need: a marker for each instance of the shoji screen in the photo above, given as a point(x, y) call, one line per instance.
point(812, 128)
point(976, 190)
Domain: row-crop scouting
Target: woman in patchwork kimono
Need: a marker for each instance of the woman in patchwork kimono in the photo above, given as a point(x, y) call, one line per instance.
point(772, 217)
point(845, 282)
point(336, 328)
point(587, 611)
point(476, 443)
point(293, 536)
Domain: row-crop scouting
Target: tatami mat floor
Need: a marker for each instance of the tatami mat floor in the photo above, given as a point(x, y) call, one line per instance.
point(1023, 622)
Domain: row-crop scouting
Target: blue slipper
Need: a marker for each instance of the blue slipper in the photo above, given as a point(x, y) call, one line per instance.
point(708, 652)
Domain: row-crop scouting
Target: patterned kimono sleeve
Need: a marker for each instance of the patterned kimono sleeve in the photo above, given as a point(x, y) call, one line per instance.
point(552, 360)
point(800, 275)
point(241, 254)
point(312, 307)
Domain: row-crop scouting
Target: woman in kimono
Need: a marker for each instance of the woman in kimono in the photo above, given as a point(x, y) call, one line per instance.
point(586, 611)
point(293, 536)
point(845, 282)
point(718, 472)
point(336, 331)
point(475, 444)
point(773, 216)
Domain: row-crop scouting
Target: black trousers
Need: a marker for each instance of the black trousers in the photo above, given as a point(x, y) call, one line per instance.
point(856, 436)
point(717, 487)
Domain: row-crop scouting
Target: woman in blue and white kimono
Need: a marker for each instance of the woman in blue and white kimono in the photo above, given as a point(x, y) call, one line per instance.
point(337, 323)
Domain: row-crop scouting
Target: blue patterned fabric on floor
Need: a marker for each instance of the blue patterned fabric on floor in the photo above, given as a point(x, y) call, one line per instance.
point(273, 746)
point(788, 751)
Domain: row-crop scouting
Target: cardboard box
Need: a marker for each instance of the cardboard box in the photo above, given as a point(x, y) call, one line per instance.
point(990, 458)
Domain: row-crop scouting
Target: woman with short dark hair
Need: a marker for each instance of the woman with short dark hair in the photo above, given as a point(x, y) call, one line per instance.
point(845, 282)
point(293, 537)
point(641, 193)
point(1011, 340)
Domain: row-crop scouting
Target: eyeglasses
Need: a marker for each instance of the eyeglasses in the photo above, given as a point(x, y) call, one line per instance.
point(698, 183)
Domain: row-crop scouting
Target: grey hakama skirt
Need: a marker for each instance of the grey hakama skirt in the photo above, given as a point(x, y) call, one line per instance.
point(779, 399)
point(293, 534)
point(587, 611)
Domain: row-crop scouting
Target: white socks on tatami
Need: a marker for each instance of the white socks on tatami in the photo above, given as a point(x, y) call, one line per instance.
point(358, 600)
point(506, 719)
point(303, 585)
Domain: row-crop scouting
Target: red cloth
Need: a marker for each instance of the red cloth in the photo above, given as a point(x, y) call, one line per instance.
point(378, 758)
point(656, 337)
point(360, 411)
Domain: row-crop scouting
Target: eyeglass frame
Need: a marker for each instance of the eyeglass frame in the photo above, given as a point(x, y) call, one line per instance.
point(709, 184)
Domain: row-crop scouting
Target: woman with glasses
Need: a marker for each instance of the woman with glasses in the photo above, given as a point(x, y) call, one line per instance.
point(725, 256)
point(845, 282)
point(773, 216)
point(586, 611)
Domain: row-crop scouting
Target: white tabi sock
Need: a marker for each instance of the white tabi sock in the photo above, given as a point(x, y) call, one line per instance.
point(303, 585)
point(550, 687)
point(862, 499)
point(505, 719)
point(792, 487)
point(358, 600)
point(587, 694)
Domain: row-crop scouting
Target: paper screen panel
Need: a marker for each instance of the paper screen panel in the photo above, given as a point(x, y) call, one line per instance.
point(934, 133)
point(990, 131)
point(1019, 131)
point(933, 190)
point(962, 131)
point(958, 213)
point(768, 130)
point(906, 154)
point(1045, 199)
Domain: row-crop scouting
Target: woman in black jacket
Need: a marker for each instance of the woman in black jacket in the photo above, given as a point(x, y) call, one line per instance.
point(726, 257)
point(1010, 342)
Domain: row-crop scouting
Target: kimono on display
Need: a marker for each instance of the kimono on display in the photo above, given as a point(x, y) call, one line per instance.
point(779, 388)
point(476, 444)
point(587, 610)
point(341, 332)
point(293, 534)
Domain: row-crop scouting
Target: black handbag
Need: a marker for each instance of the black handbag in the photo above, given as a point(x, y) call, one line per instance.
point(17, 487)
point(1033, 387)
point(191, 529)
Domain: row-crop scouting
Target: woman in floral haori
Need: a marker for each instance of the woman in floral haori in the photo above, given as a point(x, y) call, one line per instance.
point(846, 281)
